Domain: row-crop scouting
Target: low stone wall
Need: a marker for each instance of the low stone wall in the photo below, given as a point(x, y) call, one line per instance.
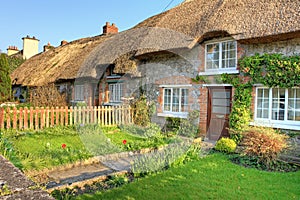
point(17, 185)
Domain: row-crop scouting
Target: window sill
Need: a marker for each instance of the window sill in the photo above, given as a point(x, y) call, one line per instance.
point(173, 114)
point(277, 124)
point(112, 104)
point(216, 72)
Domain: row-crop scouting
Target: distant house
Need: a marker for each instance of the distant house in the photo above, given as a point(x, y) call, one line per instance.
point(162, 55)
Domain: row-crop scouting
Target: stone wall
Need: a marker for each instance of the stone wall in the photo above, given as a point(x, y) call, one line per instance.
point(287, 47)
point(168, 68)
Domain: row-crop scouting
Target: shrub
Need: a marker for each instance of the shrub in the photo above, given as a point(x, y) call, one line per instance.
point(144, 132)
point(263, 143)
point(226, 145)
point(142, 111)
point(184, 127)
point(47, 95)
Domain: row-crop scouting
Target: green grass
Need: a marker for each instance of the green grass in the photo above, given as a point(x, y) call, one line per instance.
point(36, 150)
point(213, 177)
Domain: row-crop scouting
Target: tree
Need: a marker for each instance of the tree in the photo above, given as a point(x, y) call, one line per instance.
point(14, 61)
point(5, 82)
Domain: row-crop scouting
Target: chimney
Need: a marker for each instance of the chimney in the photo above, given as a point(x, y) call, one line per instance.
point(11, 50)
point(63, 42)
point(110, 29)
point(48, 47)
point(30, 47)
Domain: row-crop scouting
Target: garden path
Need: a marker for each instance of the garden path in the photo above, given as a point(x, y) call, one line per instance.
point(100, 168)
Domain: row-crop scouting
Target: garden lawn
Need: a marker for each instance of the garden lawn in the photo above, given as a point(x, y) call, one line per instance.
point(36, 150)
point(212, 177)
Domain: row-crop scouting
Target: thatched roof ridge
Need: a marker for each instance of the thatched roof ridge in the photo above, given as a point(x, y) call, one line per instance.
point(60, 63)
point(243, 19)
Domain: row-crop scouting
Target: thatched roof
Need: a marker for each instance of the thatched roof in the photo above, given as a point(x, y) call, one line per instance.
point(56, 64)
point(242, 19)
point(181, 27)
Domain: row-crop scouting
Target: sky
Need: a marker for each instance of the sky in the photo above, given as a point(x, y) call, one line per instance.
point(56, 20)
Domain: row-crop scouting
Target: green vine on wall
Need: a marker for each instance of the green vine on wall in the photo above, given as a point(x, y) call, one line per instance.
point(271, 70)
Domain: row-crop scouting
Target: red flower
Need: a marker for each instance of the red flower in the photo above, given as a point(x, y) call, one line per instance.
point(63, 146)
point(124, 141)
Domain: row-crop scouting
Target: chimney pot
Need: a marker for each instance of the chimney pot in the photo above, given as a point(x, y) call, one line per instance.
point(110, 29)
point(63, 42)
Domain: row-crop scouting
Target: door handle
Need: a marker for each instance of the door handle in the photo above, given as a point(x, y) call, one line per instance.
point(220, 116)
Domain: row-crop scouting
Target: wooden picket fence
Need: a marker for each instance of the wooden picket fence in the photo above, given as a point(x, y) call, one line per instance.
point(39, 118)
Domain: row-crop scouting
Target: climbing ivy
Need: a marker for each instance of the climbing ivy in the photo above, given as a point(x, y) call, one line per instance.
point(272, 70)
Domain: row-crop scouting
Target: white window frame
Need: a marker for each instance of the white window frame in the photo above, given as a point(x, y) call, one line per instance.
point(79, 93)
point(220, 70)
point(269, 122)
point(171, 113)
point(115, 92)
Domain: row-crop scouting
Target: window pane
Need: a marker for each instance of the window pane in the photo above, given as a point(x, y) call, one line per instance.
point(262, 103)
point(278, 103)
point(184, 100)
point(212, 56)
point(175, 105)
point(228, 54)
point(294, 104)
point(167, 100)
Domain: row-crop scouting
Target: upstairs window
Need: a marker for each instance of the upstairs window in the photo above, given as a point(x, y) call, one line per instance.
point(221, 55)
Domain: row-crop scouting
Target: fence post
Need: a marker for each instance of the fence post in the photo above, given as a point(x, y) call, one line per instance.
point(99, 114)
point(52, 116)
point(47, 117)
point(71, 115)
point(21, 118)
point(14, 118)
point(2, 113)
point(31, 118)
point(61, 110)
point(42, 118)
point(83, 114)
point(25, 118)
point(102, 116)
point(66, 116)
point(37, 110)
point(109, 115)
point(95, 114)
point(75, 115)
point(87, 115)
point(57, 116)
point(79, 114)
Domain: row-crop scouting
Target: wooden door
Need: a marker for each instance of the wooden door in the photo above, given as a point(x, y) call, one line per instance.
point(219, 108)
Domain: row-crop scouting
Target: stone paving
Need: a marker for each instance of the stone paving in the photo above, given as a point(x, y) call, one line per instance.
point(18, 185)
